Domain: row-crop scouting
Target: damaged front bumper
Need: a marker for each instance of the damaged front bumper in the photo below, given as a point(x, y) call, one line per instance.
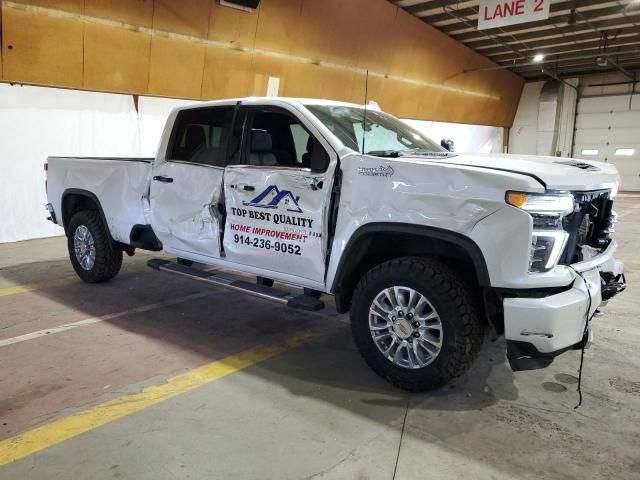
point(540, 327)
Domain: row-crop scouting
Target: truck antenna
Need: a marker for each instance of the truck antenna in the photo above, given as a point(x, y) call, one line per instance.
point(366, 99)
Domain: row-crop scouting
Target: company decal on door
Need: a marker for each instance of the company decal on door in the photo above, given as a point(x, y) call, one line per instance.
point(274, 209)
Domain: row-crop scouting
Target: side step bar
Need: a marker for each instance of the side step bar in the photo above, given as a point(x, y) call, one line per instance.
point(302, 301)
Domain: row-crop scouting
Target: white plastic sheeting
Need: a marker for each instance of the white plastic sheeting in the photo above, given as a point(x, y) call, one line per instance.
point(467, 138)
point(37, 122)
point(152, 116)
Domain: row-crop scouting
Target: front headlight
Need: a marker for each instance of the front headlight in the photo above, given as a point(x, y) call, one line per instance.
point(548, 238)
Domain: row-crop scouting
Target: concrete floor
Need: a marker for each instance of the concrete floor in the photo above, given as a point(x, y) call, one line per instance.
point(315, 411)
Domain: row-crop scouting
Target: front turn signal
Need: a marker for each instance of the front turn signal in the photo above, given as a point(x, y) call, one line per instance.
point(517, 199)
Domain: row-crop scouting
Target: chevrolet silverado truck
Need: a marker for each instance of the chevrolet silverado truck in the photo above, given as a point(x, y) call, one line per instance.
point(427, 249)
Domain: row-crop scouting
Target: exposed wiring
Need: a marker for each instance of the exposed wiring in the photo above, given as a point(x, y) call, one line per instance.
point(404, 422)
point(585, 337)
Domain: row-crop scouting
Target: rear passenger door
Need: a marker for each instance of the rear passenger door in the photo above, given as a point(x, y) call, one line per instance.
point(186, 194)
point(277, 192)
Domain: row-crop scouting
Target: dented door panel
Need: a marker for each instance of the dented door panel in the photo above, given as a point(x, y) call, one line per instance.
point(185, 210)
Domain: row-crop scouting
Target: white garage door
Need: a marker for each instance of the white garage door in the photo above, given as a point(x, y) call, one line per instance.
point(608, 129)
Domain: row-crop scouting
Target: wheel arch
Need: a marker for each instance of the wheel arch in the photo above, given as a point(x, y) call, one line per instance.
point(369, 246)
point(75, 200)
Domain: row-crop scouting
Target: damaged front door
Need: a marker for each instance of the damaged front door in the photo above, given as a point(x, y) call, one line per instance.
point(186, 187)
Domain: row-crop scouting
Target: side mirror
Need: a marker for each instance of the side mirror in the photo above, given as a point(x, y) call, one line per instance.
point(447, 144)
point(261, 141)
point(316, 158)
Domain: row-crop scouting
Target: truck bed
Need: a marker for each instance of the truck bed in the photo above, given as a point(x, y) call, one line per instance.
point(120, 185)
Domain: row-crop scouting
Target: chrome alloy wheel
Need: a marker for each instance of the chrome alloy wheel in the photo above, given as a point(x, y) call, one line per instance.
point(84, 247)
point(405, 327)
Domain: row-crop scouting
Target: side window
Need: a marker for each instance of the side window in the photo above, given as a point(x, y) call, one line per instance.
point(200, 135)
point(277, 138)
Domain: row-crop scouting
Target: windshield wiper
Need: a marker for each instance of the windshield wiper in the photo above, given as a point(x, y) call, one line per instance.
point(384, 153)
point(407, 153)
point(432, 153)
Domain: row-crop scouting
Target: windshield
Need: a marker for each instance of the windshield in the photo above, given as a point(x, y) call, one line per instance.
point(384, 135)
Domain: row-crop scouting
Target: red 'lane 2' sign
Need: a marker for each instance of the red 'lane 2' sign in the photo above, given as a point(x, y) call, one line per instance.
point(498, 13)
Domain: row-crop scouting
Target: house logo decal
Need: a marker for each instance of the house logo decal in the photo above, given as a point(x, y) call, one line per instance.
point(272, 197)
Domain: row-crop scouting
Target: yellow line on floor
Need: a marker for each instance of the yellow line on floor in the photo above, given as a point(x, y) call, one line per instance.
point(29, 287)
point(5, 292)
point(58, 431)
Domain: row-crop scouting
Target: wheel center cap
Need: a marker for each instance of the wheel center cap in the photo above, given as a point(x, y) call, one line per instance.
point(402, 329)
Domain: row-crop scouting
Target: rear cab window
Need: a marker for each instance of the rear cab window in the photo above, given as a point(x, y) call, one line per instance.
point(200, 135)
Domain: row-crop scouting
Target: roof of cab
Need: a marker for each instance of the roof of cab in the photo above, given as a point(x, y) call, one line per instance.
point(289, 100)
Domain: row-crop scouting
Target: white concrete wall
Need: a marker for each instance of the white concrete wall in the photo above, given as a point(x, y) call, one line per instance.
point(532, 128)
point(566, 120)
point(524, 132)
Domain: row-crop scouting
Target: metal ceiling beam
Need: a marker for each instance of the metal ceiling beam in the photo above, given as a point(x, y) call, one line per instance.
point(552, 29)
point(557, 41)
point(577, 70)
point(584, 64)
point(547, 61)
point(470, 11)
point(488, 35)
point(604, 39)
point(551, 53)
point(424, 6)
point(574, 73)
point(587, 15)
point(586, 57)
point(620, 67)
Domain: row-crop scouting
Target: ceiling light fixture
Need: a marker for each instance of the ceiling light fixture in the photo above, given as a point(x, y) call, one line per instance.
point(538, 57)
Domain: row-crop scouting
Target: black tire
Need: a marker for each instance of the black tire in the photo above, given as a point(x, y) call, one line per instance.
point(108, 258)
point(460, 315)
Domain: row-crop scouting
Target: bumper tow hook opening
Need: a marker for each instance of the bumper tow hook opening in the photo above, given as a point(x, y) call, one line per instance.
point(612, 286)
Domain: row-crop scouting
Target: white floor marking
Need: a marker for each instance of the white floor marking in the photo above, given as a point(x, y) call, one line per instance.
point(93, 320)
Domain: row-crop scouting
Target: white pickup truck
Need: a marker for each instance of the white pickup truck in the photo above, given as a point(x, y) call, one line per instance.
point(427, 249)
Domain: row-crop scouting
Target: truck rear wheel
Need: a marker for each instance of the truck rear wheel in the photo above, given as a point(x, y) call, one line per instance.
point(416, 322)
point(93, 254)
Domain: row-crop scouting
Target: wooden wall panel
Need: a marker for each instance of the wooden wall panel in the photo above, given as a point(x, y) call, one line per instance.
point(231, 25)
point(132, 12)
point(116, 59)
point(176, 67)
point(71, 6)
point(187, 17)
point(40, 49)
point(200, 49)
point(1, 39)
point(227, 74)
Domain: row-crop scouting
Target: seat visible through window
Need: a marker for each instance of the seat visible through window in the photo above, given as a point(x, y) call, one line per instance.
point(201, 135)
point(279, 139)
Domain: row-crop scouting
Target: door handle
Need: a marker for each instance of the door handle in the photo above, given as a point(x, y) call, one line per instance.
point(248, 188)
point(160, 178)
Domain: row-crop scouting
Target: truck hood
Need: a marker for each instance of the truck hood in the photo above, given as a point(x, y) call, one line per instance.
point(555, 173)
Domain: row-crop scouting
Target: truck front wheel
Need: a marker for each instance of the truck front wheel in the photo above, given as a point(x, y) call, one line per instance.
point(416, 322)
point(93, 254)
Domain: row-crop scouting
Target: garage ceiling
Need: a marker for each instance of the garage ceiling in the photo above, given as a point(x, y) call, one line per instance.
point(579, 37)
